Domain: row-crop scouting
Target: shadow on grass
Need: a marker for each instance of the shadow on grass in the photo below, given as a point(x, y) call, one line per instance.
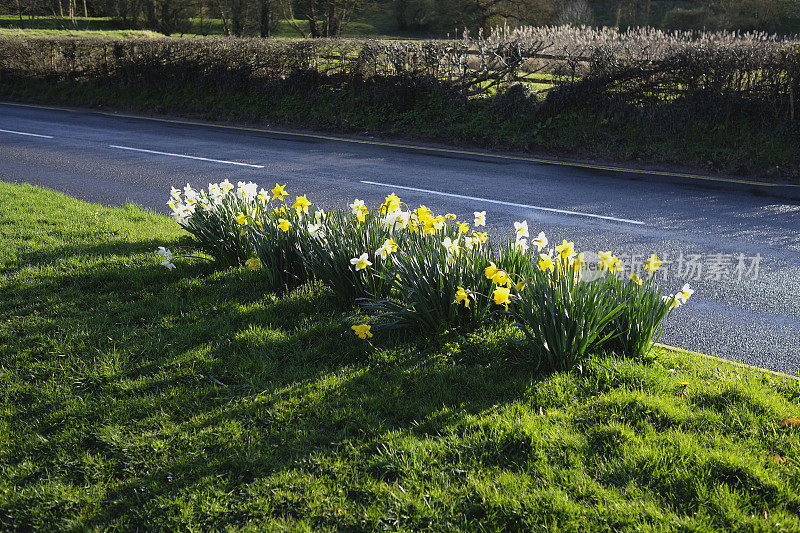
point(147, 381)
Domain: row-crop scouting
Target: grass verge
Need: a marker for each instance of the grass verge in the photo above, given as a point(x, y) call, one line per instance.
point(134, 397)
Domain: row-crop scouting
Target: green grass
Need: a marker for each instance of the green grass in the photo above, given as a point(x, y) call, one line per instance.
point(132, 397)
point(107, 27)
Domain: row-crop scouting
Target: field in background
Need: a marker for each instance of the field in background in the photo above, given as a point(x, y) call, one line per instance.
point(106, 27)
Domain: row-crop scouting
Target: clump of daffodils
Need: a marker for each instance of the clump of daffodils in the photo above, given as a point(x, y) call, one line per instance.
point(415, 268)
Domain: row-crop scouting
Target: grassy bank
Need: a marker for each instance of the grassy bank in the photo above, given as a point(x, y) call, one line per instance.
point(737, 147)
point(136, 397)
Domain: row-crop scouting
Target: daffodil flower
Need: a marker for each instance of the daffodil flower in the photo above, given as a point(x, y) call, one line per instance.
point(614, 265)
point(166, 263)
point(490, 271)
point(391, 203)
point(501, 278)
point(357, 206)
point(279, 192)
point(462, 296)
point(521, 245)
point(241, 219)
point(540, 241)
point(636, 279)
point(301, 204)
point(605, 259)
point(520, 286)
point(253, 263)
point(284, 224)
point(653, 263)
point(315, 230)
point(502, 296)
point(546, 262)
point(672, 300)
point(480, 218)
point(362, 213)
point(362, 330)
point(450, 216)
point(226, 186)
point(566, 250)
point(685, 293)
point(361, 263)
point(164, 253)
point(451, 246)
point(463, 227)
point(521, 229)
point(388, 247)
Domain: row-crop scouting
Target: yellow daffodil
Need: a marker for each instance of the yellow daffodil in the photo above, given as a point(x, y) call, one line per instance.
point(253, 263)
point(462, 296)
point(546, 262)
point(520, 286)
point(636, 278)
point(463, 227)
point(491, 270)
point(502, 295)
point(605, 259)
point(363, 331)
point(284, 224)
point(241, 219)
point(653, 263)
point(501, 278)
point(566, 250)
point(301, 204)
point(361, 263)
point(279, 192)
point(280, 210)
point(483, 237)
point(450, 216)
point(391, 203)
point(615, 265)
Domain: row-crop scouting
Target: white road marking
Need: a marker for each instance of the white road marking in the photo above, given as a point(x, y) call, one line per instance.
point(512, 204)
point(186, 156)
point(27, 134)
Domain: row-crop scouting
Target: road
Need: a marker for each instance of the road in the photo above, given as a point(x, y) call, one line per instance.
point(737, 312)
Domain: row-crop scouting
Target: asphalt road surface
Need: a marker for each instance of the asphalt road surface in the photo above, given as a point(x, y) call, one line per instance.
point(739, 247)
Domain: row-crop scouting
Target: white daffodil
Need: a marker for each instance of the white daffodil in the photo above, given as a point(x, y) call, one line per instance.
point(166, 263)
point(361, 263)
point(164, 252)
point(319, 215)
point(521, 245)
point(315, 230)
point(451, 245)
point(388, 247)
point(685, 293)
point(357, 206)
point(521, 229)
point(540, 241)
point(480, 218)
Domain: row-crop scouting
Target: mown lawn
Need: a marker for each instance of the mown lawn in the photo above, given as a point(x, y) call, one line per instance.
point(139, 398)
